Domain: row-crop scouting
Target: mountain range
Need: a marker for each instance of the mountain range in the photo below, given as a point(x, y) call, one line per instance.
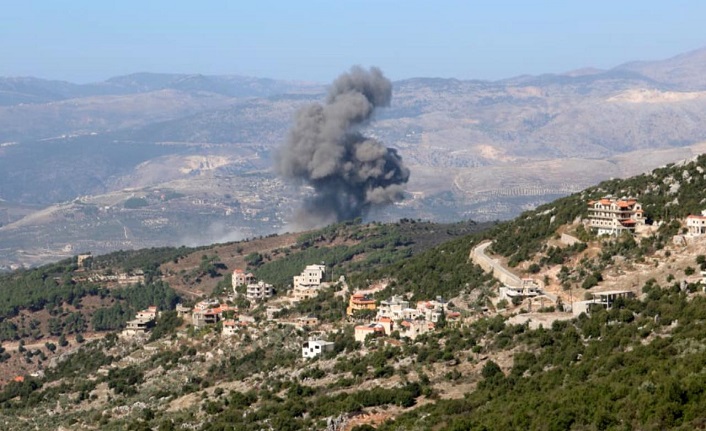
point(196, 151)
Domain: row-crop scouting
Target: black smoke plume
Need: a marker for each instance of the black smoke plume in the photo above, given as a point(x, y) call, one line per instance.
point(325, 149)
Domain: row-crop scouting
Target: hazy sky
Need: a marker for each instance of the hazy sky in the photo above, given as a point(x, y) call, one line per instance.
point(85, 41)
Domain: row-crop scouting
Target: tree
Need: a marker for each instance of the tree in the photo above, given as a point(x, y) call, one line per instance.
point(491, 370)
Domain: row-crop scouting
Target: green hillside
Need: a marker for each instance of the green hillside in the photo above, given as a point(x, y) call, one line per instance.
point(636, 365)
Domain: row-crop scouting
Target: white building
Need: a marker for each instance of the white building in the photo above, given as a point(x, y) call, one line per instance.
point(307, 284)
point(230, 327)
point(529, 289)
point(431, 310)
point(241, 278)
point(604, 299)
point(396, 308)
point(696, 224)
point(314, 348)
point(611, 216)
point(259, 291)
point(144, 320)
point(150, 313)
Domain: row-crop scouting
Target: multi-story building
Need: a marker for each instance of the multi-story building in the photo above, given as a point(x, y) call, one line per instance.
point(241, 278)
point(431, 310)
point(611, 216)
point(358, 302)
point(396, 308)
point(307, 284)
point(230, 327)
point(143, 321)
point(209, 312)
point(413, 328)
point(259, 291)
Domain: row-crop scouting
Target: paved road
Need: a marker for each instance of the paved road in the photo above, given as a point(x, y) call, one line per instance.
point(487, 263)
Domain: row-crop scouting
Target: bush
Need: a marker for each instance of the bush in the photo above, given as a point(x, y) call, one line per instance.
point(134, 203)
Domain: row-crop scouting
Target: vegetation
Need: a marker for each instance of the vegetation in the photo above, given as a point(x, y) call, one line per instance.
point(635, 366)
point(135, 202)
point(657, 191)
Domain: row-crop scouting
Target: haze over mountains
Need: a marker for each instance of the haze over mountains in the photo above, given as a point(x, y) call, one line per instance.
point(152, 159)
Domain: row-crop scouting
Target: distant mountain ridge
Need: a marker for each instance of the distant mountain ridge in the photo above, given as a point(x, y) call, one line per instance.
point(684, 71)
point(16, 90)
point(483, 150)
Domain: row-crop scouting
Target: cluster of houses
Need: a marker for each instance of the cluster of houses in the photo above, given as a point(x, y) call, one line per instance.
point(212, 311)
point(394, 314)
point(397, 314)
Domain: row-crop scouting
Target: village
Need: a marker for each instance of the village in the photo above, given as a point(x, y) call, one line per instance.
point(381, 318)
point(397, 317)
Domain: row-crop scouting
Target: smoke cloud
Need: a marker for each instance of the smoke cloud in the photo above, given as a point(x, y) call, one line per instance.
point(348, 171)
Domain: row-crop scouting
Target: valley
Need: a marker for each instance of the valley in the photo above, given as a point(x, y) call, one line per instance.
point(481, 150)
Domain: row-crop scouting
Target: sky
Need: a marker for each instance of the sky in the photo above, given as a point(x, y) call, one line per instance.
point(89, 41)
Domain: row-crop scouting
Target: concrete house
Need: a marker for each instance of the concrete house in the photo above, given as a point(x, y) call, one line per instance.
point(144, 320)
point(361, 332)
point(604, 299)
point(413, 328)
point(241, 278)
point(696, 224)
point(396, 308)
point(314, 348)
point(259, 291)
point(358, 302)
point(307, 284)
point(209, 312)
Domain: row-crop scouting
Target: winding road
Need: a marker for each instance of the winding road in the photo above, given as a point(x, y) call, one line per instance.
point(489, 264)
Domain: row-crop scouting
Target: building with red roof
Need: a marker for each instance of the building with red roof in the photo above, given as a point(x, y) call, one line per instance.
point(612, 216)
point(358, 302)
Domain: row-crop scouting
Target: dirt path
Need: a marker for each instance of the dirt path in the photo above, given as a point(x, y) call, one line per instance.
point(14, 345)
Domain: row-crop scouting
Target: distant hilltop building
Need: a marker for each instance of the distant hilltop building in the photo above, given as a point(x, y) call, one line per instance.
point(83, 259)
point(307, 284)
point(611, 216)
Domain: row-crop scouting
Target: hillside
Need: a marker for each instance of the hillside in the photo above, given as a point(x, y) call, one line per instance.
point(487, 363)
point(485, 150)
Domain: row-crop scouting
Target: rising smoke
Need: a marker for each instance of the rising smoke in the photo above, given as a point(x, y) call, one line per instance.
point(325, 149)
